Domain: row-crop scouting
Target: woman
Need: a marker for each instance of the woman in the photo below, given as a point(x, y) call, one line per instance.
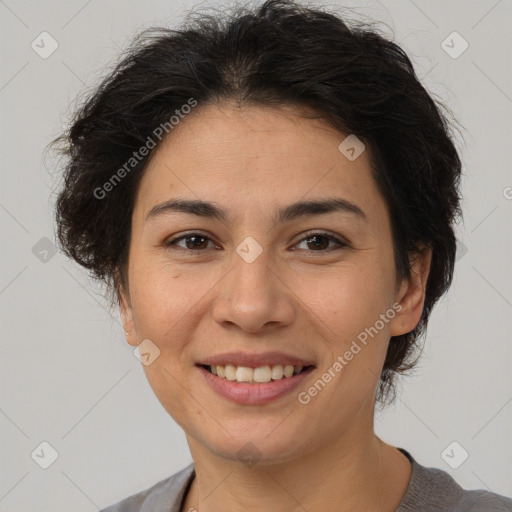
point(271, 200)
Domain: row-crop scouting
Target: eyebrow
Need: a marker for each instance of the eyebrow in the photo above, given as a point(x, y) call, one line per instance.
point(291, 212)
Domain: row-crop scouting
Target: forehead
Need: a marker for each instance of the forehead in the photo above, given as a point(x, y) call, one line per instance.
point(254, 155)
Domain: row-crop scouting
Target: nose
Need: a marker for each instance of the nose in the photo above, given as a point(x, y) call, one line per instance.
point(254, 297)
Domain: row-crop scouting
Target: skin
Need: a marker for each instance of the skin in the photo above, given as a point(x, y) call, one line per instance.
point(294, 297)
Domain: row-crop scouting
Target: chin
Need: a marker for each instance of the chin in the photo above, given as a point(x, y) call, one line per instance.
point(261, 446)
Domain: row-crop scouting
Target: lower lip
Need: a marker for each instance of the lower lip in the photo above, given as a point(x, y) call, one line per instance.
point(254, 394)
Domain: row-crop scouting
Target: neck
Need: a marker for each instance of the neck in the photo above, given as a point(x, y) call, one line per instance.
point(355, 474)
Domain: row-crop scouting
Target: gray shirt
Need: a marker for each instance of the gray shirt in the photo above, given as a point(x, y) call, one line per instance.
point(429, 490)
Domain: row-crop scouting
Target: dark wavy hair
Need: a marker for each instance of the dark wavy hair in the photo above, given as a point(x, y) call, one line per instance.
point(277, 53)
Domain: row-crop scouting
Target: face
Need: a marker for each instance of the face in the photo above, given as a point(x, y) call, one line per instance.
point(251, 276)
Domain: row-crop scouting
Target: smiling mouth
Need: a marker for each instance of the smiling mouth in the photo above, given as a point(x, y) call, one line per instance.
point(259, 375)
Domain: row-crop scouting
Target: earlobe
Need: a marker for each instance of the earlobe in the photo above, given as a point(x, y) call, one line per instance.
point(411, 295)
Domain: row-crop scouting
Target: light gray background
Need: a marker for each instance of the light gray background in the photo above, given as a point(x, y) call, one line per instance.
point(67, 375)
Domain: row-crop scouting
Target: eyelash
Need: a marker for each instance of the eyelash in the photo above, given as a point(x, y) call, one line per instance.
point(341, 243)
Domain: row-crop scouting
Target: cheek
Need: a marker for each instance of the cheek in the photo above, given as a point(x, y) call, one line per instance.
point(357, 337)
point(163, 299)
point(351, 298)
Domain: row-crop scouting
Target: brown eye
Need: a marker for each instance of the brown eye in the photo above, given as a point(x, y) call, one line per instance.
point(319, 242)
point(196, 242)
point(191, 242)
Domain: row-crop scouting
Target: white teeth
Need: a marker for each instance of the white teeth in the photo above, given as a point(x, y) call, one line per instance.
point(288, 370)
point(229, 371)
point(277, 372)
point(243, 374)
point(262, 374)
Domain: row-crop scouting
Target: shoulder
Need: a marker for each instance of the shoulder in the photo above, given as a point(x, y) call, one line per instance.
point(166, 493)
point(434, 490)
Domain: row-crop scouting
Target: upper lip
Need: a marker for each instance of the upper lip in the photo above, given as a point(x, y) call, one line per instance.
point(249, 360)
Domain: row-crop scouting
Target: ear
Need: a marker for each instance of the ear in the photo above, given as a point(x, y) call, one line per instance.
point(125, 308)
point(411, 295)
